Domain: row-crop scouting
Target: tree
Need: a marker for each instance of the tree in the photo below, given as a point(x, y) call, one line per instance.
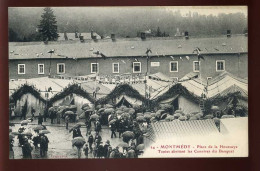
point(13, 36)
point(48, 25)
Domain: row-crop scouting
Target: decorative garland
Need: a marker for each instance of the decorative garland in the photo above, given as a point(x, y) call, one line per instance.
point(218, 99)
point(177, 89)
point(26, 89)
point(74, 88)
point(119, 90)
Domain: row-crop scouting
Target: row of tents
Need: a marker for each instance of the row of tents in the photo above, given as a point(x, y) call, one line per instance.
point(184, 94)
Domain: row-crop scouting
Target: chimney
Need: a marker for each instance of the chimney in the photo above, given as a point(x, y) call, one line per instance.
point(186, 35)
point(228, 33)
point(113, 37)
point(143, 35)
point(65, 36)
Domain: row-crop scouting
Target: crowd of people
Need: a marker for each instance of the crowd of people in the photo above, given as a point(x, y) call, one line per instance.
point(95, 146)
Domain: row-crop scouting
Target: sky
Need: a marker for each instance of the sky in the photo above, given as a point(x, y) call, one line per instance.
point(206, 10)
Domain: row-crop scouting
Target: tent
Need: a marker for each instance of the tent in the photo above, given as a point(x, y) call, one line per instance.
point(123, 92)
point(180, 98)
point(29, 96)
point(74, 93)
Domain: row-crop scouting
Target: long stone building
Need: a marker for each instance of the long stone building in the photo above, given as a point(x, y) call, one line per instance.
point(172, 57)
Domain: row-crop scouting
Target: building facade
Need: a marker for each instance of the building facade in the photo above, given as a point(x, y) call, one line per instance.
point(174, 58)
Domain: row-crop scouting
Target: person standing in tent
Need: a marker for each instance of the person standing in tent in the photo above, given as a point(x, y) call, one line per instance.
point(40, 119)
point(32, 112)
point(24, 110)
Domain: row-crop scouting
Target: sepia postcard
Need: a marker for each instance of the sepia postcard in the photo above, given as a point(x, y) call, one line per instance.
point(128, 82)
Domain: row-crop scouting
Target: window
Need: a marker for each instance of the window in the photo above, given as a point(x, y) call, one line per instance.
point(115, 67)
point(40, 68)
point(220, 65)
point(137, 67)
point(94, 67)
point(174, 66)
point(21, 68)
point(196, 66)
point(61, 68)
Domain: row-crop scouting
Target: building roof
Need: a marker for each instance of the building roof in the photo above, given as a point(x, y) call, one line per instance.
point(179, 129)
point(128, 47)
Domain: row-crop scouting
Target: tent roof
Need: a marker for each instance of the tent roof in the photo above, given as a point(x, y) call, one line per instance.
point(178, 129)
point(227, 82)
point(177, 89)
point(128, 47)
point(122, 89)
point(42, 84)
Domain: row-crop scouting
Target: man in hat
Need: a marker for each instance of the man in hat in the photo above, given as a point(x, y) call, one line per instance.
point(26, 149)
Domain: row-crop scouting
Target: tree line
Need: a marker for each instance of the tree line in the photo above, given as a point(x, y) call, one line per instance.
point(122, 22)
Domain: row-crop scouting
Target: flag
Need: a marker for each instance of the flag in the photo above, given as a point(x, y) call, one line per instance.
point(200, 57)
point(123, 61)
point(216, 49)
point(181, 58)
point(136, 60)
point(172, 57)
point(188, 57)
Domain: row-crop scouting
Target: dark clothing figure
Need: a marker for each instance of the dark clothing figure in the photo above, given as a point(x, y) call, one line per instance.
point(67, 122)
point(113, 130)
point(85, 149)
point(36, 141)
point(105, 150)
point(90, 142)
point(11, 151)
point(100, 151)
point(140, 140)
point(24, 110)
point(98, 127)
point(120, 128)
point(98, 140)
point(40, 119)
point(27, 150)
point(21, 140)
point(77, 133)
point(43, 145)
point(33, 112)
